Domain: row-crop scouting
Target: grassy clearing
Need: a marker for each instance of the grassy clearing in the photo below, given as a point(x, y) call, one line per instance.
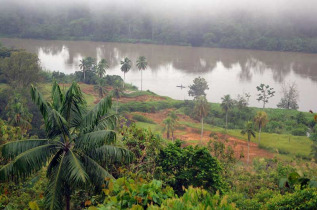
point(142, 118)
point(286, 145)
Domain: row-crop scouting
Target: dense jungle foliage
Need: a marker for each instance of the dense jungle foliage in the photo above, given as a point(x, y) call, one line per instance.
point(63, 148)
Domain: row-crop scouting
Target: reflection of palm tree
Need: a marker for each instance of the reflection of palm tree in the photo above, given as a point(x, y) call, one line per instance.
point(201, 108)
point(125, 67)
point(250, 132)
point(77, 146)
point(141, 63)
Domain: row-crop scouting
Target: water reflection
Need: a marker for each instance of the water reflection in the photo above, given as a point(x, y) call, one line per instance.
point(247, 68)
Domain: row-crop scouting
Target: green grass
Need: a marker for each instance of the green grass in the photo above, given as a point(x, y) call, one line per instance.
point(154, 127)
point(142, 118)
point(298, 146)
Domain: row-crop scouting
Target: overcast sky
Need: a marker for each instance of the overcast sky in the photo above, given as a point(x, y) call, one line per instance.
point(296, 8)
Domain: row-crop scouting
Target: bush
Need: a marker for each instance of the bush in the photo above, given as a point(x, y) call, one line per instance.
point(182, 167)
point(299, 132)
point(300, 199)
point(142, 118)
point(127, 193)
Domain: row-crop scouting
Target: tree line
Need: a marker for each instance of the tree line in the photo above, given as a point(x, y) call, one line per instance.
point(226, 31)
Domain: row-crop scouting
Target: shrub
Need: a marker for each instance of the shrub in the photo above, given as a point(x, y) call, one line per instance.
point(182, 167)
point(142, 118)
point(299, 131)
point(127, 193)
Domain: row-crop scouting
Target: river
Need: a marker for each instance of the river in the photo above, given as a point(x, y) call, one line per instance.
point(227, 71)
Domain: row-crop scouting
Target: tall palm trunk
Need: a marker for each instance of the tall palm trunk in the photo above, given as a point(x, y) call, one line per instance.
point(260, 134)
point(226, 120)
point(84, 71)
point(202, 131)
point(248, 152)
point(67, 197)
point(141, 80)
point(123, 79)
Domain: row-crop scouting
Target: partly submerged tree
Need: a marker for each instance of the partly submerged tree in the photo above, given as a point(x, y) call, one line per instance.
point(226, 105)
point(260, 120)
point(141, 63)
point(290, 97)
point(198, 88)
point(101, 68)
point(125, 67)
point(77, 146)
point(201, 109)
point(265, 93)
point(250, 132)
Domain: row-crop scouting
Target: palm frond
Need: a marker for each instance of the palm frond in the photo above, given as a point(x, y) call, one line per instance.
point(54, 193)
point(40, 102)
point(13, 149)
point(75, 172)
point(108, 122)
point(27, 162)
point(96, 139)
point(56, 125)
point(110, 154)
point(73, 103)
point(93, 117)
point(95, 171)
point(57, 96)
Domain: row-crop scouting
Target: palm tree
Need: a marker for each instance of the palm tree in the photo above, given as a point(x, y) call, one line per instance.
point(101, 68)
point(170, 124)
point(83, 67)
point(101, 87)
point(87, 64)
point(125, 67)
point(141, 63)
point(18, 114)
point(261, 119)
point(77, 146)
point(117, 92)
point(250, 132)
point(201, 108)
point(226, 105)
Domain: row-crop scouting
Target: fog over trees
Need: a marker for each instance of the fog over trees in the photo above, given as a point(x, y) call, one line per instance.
point(269, 25)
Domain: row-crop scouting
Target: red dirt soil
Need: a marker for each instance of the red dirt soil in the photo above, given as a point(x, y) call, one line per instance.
point(191, 136)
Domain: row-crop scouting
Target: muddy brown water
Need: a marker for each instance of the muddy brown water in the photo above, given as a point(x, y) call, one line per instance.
point(227, 71)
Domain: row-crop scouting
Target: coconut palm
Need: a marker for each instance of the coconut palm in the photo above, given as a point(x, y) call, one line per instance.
point(101, 68)
point(250, 132)
point(125, 67)
point(260, 120)
point(100, 87)
point(170, 124)
point(141, 63)
point(201, 109)
point(77, 146)
point(117, 92)
point(87, 64)
point(226, 105)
